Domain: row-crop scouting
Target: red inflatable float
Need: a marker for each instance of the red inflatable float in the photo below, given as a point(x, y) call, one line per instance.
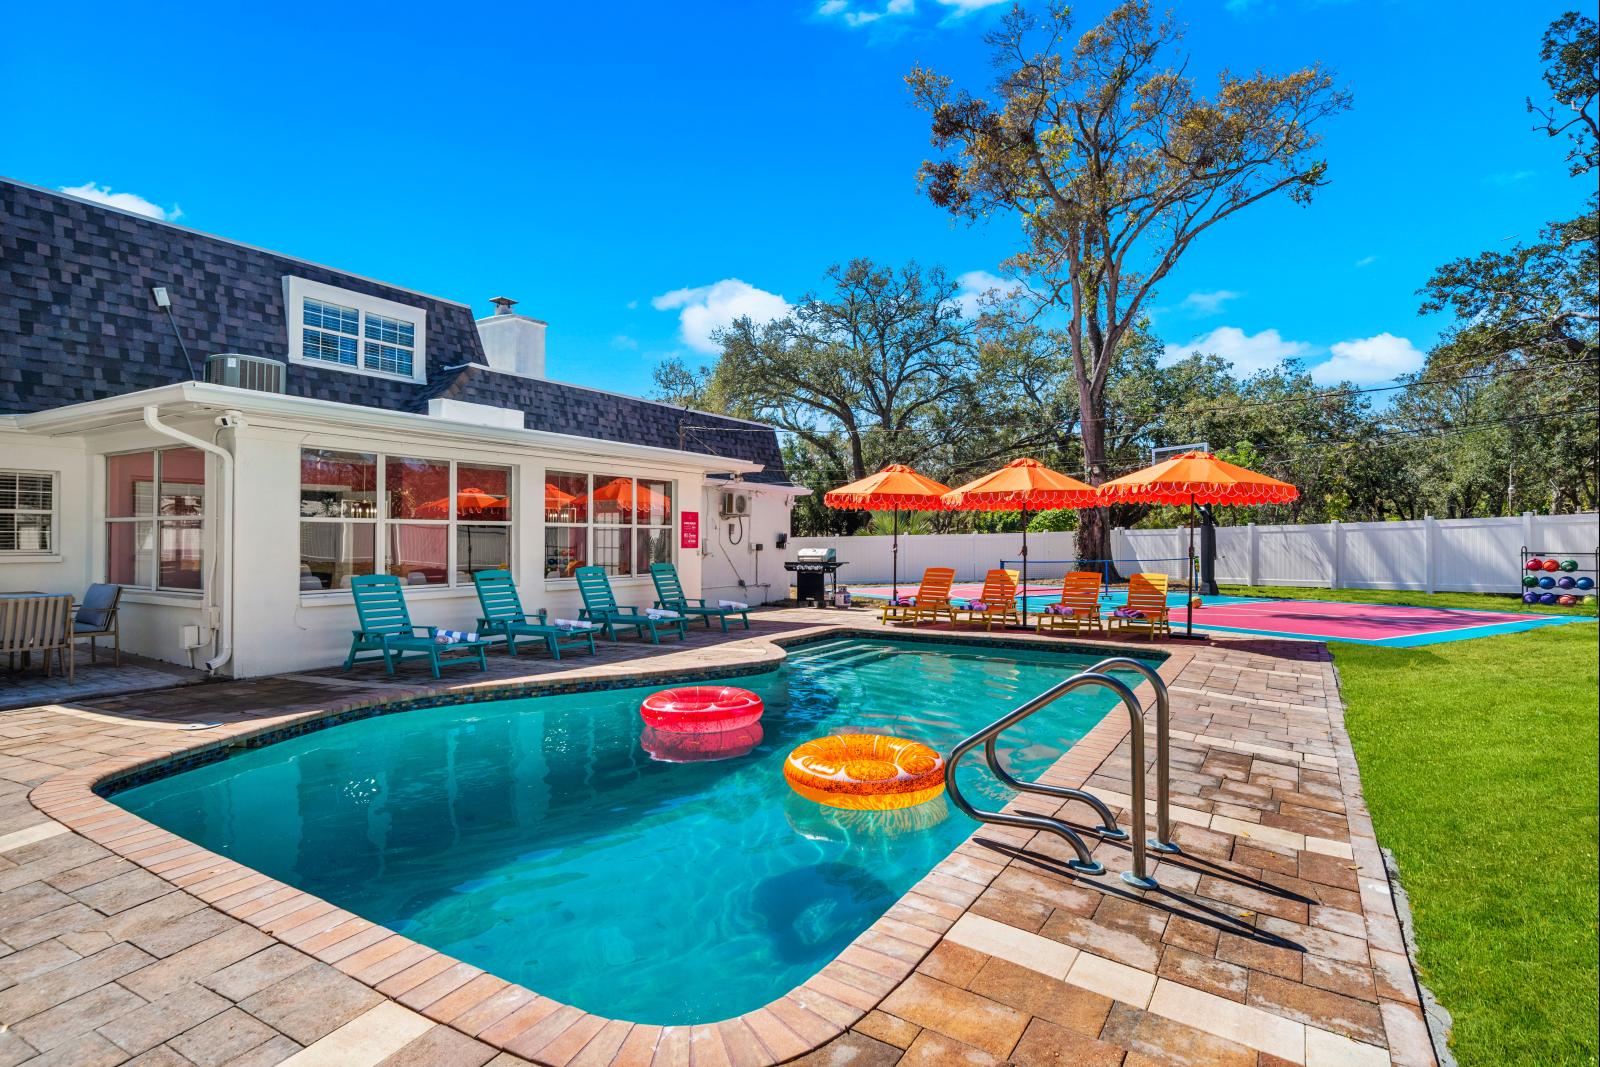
point(701, 709)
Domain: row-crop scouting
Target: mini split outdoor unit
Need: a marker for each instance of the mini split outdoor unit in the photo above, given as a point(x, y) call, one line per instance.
point(245, 372)
point(734, 504)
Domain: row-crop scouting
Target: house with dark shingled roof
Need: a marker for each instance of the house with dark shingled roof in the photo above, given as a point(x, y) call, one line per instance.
point(232, 434)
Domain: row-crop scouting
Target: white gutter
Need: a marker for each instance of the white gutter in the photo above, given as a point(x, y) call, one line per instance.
point(224, 540)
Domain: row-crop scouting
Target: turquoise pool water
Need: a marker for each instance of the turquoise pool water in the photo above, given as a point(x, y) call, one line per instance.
point(537, 839)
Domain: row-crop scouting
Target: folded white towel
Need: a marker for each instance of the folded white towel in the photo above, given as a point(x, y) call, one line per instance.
point(574, 624)
point(736, 605)
point(453, 637)
point(663, 613)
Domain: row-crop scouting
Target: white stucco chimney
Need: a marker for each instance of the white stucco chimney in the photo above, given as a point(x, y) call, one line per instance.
point(513, 343)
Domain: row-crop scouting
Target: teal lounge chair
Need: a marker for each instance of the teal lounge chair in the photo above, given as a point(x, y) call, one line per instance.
point(503, 616)
point(386, 628)
point(669, 594)
point(600, 606)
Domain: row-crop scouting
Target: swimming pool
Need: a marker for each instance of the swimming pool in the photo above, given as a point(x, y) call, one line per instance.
point(537, 839)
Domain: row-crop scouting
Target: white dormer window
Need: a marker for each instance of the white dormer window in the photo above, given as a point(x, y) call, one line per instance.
point(350, 331)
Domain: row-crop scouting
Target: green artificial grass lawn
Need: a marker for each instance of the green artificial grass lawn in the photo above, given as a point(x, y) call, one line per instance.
point(1479, 764)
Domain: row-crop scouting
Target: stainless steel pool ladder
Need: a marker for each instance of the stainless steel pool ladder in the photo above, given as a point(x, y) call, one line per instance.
point(1084, 863)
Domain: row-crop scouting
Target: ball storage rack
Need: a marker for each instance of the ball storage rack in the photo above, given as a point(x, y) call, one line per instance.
point(1578, 558)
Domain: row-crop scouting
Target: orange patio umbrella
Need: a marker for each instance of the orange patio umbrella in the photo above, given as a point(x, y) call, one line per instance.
point(1024, 485)
point(1196, 478)
point(467, 500)
point(896, 488)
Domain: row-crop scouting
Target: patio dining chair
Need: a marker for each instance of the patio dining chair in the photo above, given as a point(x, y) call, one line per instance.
point(504, 616)
point(386, 629)
point(600, 606)
point(97, 617)
point(669, 594)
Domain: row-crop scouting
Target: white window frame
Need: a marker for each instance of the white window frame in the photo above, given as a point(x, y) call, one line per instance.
point(297, 290)
point(54, 513)
point(380, 521)
point(590, 526)
point(155, 520)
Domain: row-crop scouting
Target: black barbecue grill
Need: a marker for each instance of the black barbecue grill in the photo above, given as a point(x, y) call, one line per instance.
point(816, 575)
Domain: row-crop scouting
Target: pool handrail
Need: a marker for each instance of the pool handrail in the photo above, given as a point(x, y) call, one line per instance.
point(1085, 862)
point(1162, 841)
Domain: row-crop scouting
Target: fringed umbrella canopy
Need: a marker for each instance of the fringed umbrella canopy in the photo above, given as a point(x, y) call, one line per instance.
point(1196, 478)
point(895, 488)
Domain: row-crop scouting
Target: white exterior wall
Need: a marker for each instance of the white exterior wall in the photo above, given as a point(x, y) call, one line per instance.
point(62, 570)
point(732, 567)
point(1429, 555)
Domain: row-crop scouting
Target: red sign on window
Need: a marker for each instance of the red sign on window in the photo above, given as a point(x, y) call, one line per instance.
point(689, 527)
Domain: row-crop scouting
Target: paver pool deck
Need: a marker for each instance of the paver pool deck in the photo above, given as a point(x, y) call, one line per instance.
point(1273, 940)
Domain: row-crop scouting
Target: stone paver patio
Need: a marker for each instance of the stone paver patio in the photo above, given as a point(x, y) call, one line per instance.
point(1273, 940)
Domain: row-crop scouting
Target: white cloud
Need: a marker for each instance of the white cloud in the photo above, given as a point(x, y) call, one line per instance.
point(633, 305)
point(962, 8)
point(623, 343)
point(102, 194)
point(1247, 352)
point(1508, 177)
point(973, 284)
point(1209, 303)
point(866, 16)
point(1366, 261)
point(1368, 360)
point(704, 309)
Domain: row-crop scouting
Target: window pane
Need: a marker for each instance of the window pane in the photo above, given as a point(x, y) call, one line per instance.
point(566, 548)
point(130, 553)
point(329, 347)
point(391, 331)
point(613, 500)
point(388, 358)
point(483, 494)
point(338, 484)
point(333, 317)
point(566, 497)
point(26, 492)
point(613, 550)
point(179, 561)
point(183, 481)
point(653, 504)
point(481, 548)
point(24, 533)
point(655, 546)
point(416, 488)
point(332, 552)
point(418, 554)
point(130, 481)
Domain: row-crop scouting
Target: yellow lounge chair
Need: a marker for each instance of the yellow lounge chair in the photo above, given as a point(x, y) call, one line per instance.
point(999, 600)
point(1080, 596)
point(932, 599)
point(1147, 594)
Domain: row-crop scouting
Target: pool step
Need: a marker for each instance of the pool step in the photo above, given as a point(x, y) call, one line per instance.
point(823, 651)
point(857, 658)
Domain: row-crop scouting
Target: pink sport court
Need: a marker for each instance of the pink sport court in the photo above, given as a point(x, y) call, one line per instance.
point(1388, 625)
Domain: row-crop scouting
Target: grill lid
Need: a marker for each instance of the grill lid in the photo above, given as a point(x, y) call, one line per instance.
point(816, 555)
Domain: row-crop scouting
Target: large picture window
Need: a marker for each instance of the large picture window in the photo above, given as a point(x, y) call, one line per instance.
point(155, 507)
point(27, 511)
point(622, 524)
point(427, 522)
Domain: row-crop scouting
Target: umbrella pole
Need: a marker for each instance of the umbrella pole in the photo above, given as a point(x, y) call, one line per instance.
point(894, 557)
point(1024, 568)
point(1189, 614)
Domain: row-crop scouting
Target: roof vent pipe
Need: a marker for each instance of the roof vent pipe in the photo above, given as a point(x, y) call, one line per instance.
point(503, 305)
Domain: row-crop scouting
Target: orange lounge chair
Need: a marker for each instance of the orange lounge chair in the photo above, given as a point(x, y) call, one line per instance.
point(997, 602)
point(1147, 595)
point(1079, 607)
point(932, 599)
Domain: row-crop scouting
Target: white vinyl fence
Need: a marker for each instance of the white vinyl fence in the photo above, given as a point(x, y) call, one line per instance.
point(1430, 555)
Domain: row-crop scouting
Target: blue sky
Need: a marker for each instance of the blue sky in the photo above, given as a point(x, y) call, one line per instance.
point(637, 173)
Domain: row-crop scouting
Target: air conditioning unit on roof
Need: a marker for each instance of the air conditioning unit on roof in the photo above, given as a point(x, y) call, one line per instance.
point(245, 372)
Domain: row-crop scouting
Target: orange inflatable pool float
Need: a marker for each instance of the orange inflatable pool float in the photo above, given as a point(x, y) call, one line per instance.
point(866, 772)
point(701, 709)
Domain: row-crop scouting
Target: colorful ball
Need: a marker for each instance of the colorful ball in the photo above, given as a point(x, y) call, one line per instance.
point(1569, 564)
point(1195, 602)
point(1566, 581)
point(1551, 565)
point(1566, 601)
point(1547, 598)
point(1530, 598)
point(1547, 582)
point(1589, 599)
point(1585, 582)
point(1529, 580)
point(1534, 563)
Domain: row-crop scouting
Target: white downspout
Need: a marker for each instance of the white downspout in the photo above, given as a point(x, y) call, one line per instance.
point(225, 540)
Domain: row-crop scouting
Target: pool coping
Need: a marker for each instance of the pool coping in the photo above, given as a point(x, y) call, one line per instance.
point(509, 1016)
